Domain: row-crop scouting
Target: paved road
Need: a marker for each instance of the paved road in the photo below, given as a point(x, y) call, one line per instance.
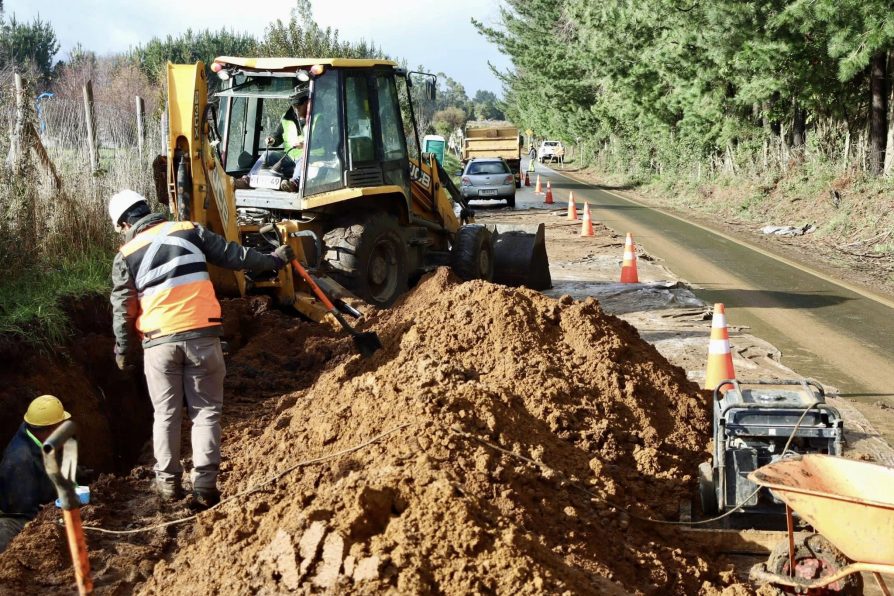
point(824, 330)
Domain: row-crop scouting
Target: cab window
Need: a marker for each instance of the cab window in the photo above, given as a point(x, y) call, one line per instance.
point(324, 146)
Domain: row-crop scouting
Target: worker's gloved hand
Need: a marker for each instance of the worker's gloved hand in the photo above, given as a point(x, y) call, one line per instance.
point(283, 255)
point(123, 362)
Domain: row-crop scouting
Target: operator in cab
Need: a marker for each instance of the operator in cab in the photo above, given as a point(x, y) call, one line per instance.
point(290, 134)
point(24, 484)
point(163, 298)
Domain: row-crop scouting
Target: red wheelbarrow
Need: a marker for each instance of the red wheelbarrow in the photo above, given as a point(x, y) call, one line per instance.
point(851, 506)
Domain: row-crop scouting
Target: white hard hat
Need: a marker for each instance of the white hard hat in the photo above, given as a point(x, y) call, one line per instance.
point(121, 202)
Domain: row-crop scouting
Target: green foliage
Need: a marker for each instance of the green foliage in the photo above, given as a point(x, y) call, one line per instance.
point(31, 302)
point(190, 47)
point(449, 119)
point(32, 43)
point(658, 85)
point(302, 37)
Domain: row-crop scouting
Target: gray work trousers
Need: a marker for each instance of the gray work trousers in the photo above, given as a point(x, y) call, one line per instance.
point(193, 369)
point(9, 527)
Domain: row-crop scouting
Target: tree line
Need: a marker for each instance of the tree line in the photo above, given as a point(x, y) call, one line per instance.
point(140, 71)
point(663, 84)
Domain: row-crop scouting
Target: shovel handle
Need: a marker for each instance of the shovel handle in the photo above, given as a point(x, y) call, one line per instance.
point(313, 285)
point(77, 546)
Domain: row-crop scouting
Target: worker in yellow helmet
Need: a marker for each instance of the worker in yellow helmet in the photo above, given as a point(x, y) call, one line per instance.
point(24, 484)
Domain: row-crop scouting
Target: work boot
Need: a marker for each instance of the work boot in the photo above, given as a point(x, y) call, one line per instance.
point(242, 183)
point(288, 186)
point(168, 491)
point(205, 497)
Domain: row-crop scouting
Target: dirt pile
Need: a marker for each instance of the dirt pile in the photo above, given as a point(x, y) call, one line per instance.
point(511, 419)
point(432, 508)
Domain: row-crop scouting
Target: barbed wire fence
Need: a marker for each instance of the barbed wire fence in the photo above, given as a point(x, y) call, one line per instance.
point(60, 207)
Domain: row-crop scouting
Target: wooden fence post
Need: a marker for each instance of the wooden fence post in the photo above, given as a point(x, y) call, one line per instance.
point(91, 129)
point(141, 130)
point(16, 153)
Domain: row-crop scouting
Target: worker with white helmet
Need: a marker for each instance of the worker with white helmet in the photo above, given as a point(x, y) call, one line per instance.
point(24, 484)
point(162, 293)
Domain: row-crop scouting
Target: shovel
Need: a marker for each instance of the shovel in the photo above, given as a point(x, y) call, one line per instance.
point(60, 459)
point(367, 342)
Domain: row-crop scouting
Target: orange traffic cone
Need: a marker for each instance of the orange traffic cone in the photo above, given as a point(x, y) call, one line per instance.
point(572, 208)
point(549, 194)
point(537, 188)
point(527, 179)
point(720, 359)
point(628, 266)
point(586, 226)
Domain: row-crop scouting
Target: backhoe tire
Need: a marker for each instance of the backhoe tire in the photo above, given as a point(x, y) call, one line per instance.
point(473, 253)
point(367, 255)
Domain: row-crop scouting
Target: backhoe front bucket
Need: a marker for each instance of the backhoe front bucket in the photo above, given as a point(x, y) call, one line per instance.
point(520, 256)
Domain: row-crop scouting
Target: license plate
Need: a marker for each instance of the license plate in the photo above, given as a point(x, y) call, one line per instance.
point(266, 182)
point(487, 192)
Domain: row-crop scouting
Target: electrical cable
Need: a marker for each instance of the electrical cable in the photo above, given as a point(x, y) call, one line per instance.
point(622, 508)
point(253, 488)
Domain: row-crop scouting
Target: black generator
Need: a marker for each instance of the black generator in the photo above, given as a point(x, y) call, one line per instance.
point(752, 424)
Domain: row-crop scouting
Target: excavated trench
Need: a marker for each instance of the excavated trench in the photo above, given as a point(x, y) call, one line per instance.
point(111, 408)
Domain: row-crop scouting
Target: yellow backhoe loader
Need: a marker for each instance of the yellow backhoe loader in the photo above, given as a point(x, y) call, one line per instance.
point(365, 211)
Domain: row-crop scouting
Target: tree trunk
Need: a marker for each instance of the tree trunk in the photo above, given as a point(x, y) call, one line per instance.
point(799, 127)
point(878, 116)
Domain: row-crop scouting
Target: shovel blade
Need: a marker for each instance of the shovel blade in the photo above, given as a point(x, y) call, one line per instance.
point(367, 343)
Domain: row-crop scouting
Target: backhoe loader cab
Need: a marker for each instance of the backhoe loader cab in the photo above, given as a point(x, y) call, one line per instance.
point(364, 209)
point(353, 130)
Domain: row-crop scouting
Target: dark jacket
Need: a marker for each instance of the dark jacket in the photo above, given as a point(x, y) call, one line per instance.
point(125, 302)
point(24, 484)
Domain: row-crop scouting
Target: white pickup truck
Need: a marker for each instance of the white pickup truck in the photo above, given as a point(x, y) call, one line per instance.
point(551, 150)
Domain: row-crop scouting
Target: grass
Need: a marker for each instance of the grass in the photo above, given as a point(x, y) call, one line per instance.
point(31, 302)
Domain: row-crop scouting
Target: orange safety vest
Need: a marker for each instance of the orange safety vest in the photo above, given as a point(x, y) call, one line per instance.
point(170, 273)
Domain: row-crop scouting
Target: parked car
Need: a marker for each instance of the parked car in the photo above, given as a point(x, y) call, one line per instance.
point(551, 150)
point(490, 179)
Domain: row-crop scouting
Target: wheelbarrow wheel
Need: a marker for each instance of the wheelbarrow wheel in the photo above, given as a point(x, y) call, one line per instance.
point(815, 557)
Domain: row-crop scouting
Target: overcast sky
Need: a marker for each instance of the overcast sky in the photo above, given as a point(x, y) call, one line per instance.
point(436, 34)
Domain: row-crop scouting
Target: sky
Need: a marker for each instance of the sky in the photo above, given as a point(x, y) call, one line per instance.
point(438, 35)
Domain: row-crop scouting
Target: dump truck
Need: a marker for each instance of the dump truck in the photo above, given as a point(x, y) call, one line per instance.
point(365, 210)
point(483, 139)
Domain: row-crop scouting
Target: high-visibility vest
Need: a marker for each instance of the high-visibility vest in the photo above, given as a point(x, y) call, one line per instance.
point(291, 137)
point(170, 273)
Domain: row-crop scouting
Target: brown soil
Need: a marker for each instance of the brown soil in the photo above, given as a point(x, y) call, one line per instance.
point(434, 506)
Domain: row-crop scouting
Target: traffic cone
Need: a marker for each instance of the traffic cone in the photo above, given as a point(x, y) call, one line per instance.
point(628, 266)
point(527, 179)
point(586, 226)
point(720, 358)
point(572, 208)
point(538, 189)
point(549, 194)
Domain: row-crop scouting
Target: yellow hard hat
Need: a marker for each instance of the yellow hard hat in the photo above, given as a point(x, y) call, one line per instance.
point(46, 410)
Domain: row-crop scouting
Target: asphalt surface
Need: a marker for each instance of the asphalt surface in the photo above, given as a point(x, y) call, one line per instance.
point(824, 330)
